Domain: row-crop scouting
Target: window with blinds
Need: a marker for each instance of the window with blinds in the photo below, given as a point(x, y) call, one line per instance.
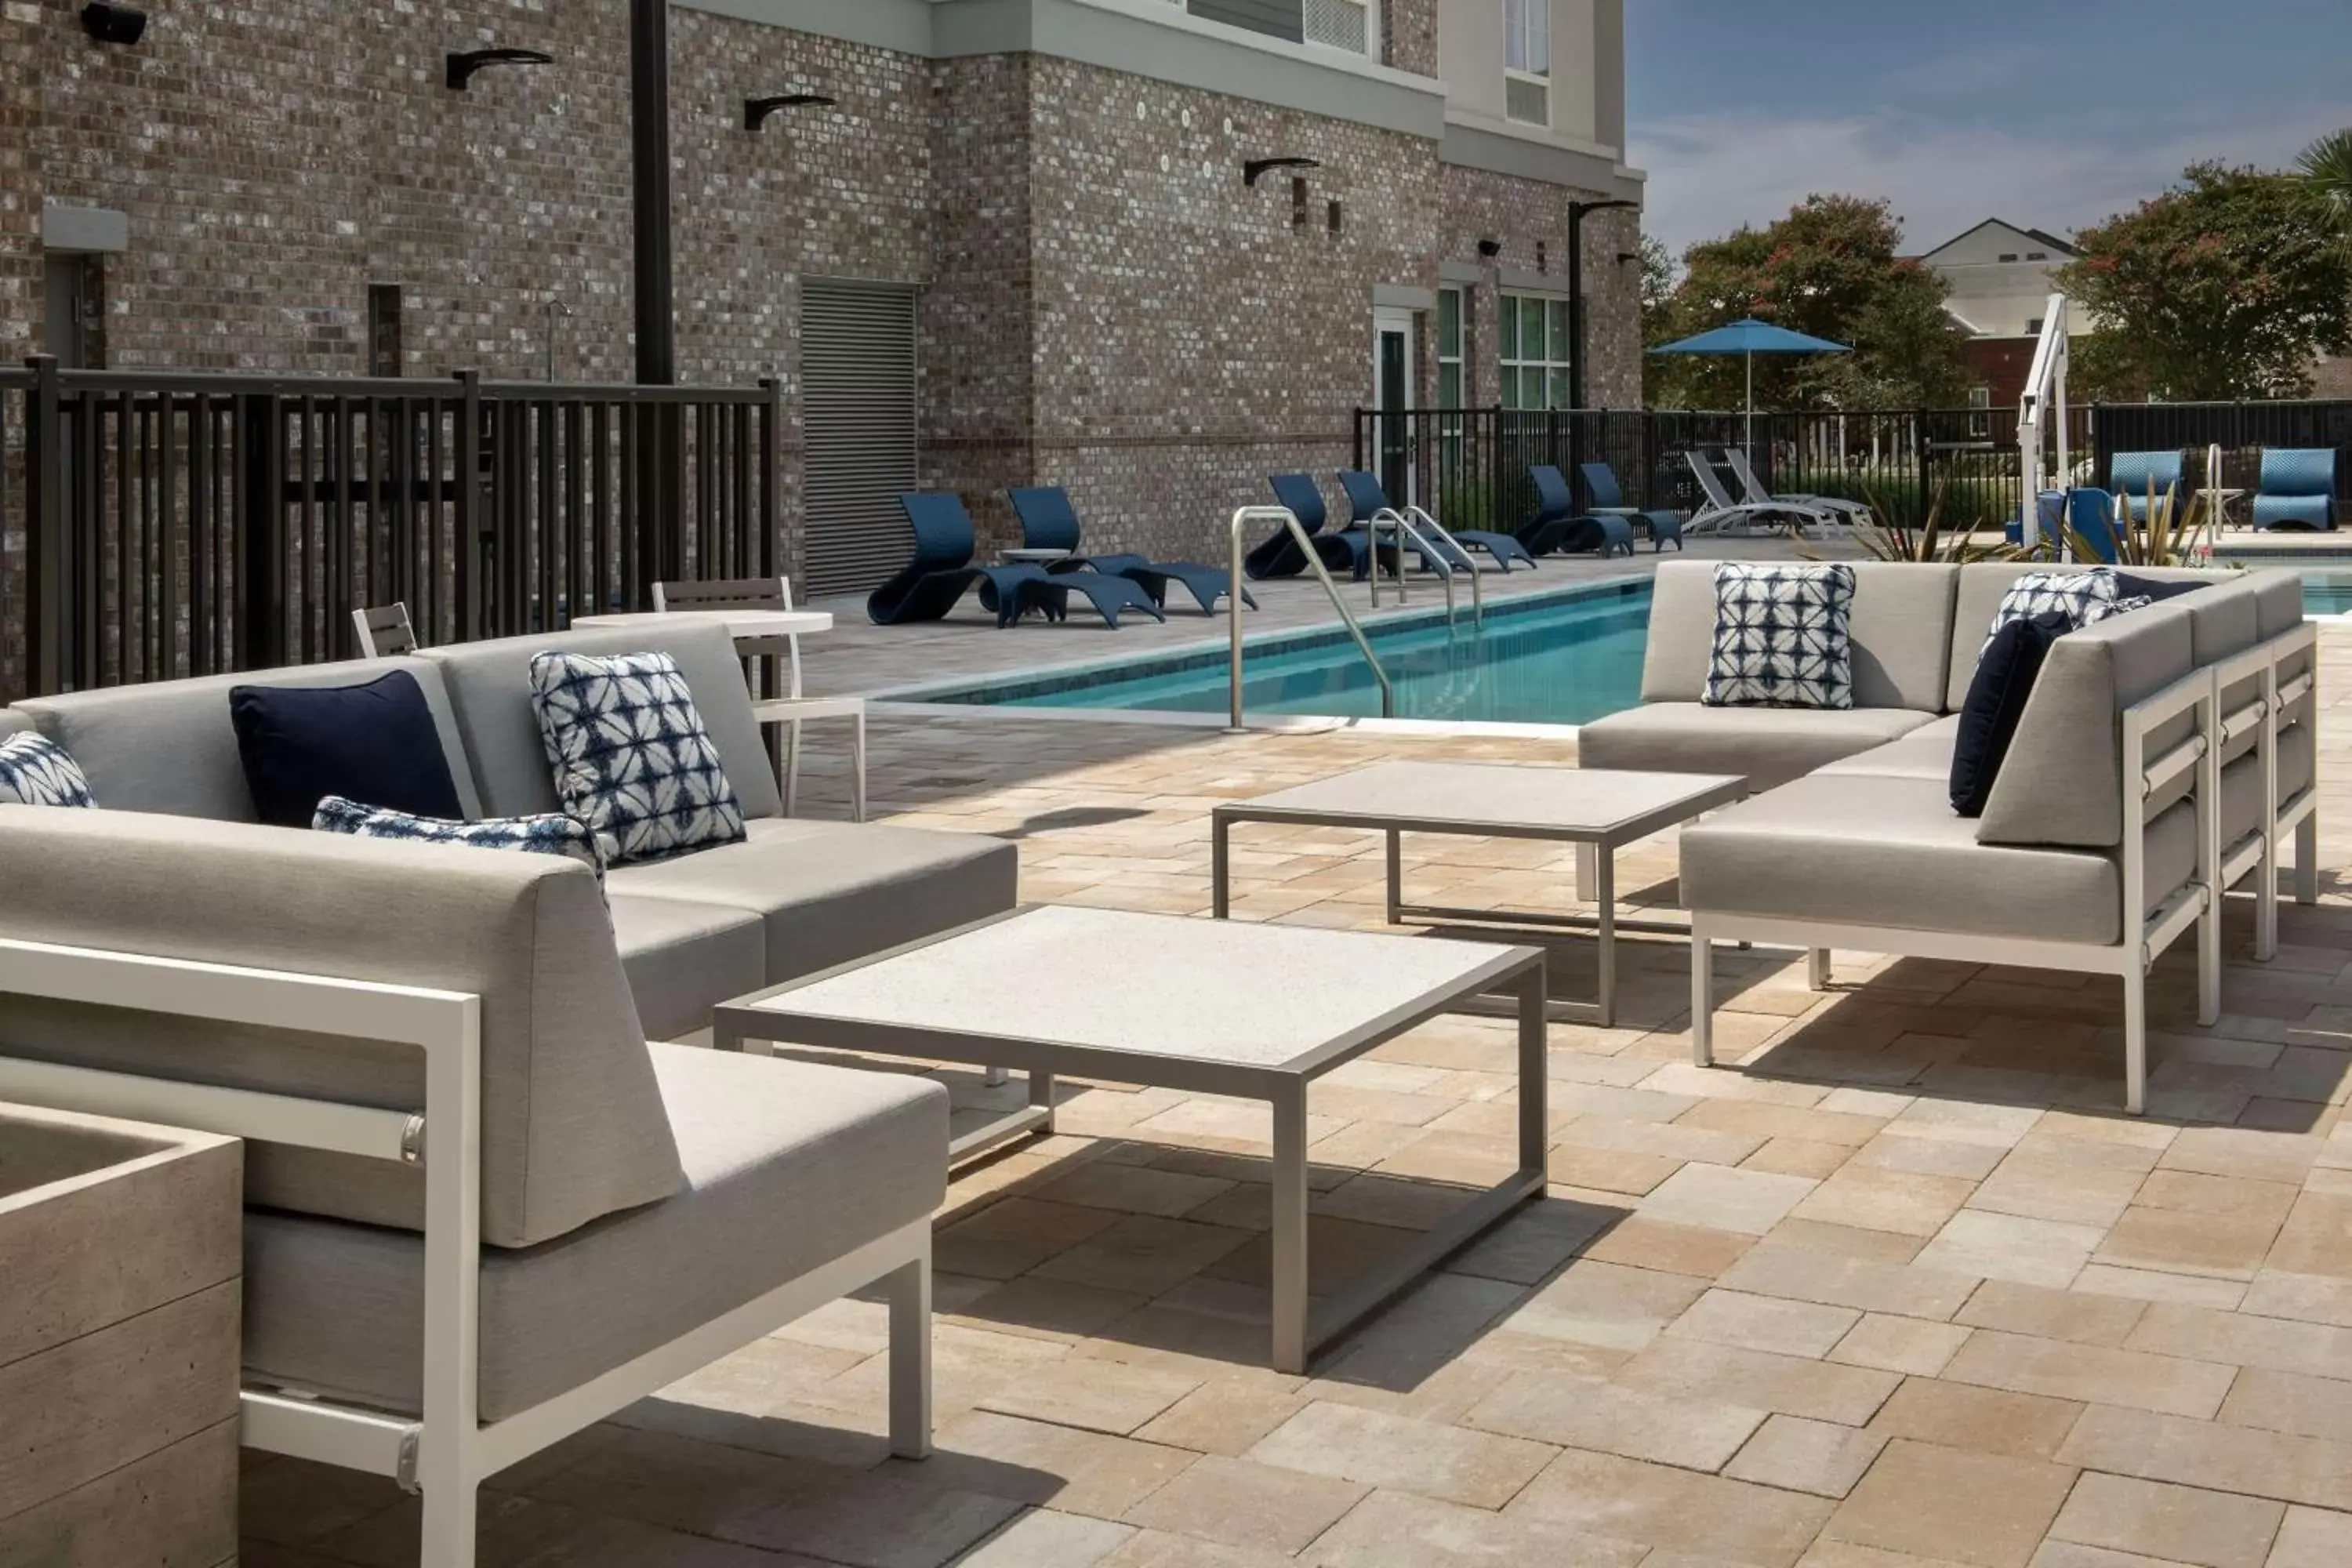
point(857, 422)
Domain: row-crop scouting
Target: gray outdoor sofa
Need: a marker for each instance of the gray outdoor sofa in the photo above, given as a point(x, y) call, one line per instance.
point(483, 1211)
point(2164, 757)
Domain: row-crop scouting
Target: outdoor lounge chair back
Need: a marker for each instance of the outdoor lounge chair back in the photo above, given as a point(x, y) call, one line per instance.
point(2091, 513)
point(1279, 556)
point(384, 631)
point(2133, 475)
point(1048, 521)
point(1601, 479)
point(927, 587)
point(1366, 495)
point(1304, 497)
point(1555, 501)
point(1557, 526)
point(573, 1125)
point(2297, 488)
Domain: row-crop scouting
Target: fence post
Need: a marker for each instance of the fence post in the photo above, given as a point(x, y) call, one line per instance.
point(467, 558)
point(776, 553)
point(261, 534)
point(46, 549)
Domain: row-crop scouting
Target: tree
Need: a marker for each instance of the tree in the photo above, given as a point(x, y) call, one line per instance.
point(2327, 166)
point(2226, 286)
point(1831, 268)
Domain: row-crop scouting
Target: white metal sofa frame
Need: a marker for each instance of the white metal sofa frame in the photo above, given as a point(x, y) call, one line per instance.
point(2145, 937)
point(447, 1452)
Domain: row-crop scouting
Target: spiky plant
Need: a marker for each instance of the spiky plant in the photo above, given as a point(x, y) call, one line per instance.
point(1905, 531)
point(2166, 537)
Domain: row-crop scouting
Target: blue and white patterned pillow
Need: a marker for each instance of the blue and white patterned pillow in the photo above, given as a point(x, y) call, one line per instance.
point(550, 834)
point(631, 756)
point(36, 771)
point(2075, 595)
point(1782, 637)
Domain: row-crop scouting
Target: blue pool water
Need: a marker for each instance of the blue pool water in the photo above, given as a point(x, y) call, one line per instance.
point(1557, 659)
point(2327, 592)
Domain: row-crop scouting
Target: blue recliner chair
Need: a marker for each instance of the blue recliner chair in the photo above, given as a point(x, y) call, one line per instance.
point(2133, 475)
point(1049, 521)
point(1609, 500)
point(2091, 513)
point(1279, 556)
point(1366, 497)
point(928, 586)
point(1557, 527)
point(2297, 488)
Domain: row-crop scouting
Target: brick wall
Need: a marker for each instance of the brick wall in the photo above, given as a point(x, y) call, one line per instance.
point(1524, 215)
point(1104, 304)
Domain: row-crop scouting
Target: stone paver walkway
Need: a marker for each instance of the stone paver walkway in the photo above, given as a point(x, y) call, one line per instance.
point(1898, 1289)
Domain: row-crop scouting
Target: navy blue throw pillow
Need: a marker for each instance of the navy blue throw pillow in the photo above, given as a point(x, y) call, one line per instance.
point(1996, 702)
point(2128, 586)
point(375, 743)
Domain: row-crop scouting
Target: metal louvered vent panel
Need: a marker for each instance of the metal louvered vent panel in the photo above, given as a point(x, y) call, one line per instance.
point(1342, 24)
point(1528, 102)
point(858, 401)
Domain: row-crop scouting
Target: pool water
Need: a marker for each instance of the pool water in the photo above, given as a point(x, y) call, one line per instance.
point(1554, 658)
point(2327, 592)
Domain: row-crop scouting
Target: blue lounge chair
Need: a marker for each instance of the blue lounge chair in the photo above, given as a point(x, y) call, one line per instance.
point(1279, 556)
point(1609, 500)
point(1558, 528)
point(2297, 488)
point(2091, 513)
point(2135, 475)
point(929, 584)
point(1048, 522)
point(1366, 497)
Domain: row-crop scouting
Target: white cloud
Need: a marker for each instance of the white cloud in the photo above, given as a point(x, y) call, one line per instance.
point(1709, 172)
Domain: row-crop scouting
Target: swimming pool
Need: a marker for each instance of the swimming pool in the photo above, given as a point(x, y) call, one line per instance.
point(1557, 659)
point(2327, 592)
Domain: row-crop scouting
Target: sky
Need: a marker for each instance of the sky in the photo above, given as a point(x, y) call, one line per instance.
point(2053, 116)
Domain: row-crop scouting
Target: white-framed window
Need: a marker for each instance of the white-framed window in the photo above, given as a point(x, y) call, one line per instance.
point(1349, 25)
point(1526, 61)
point(1981, 410)
point(1531, 343)
point(1451, 388)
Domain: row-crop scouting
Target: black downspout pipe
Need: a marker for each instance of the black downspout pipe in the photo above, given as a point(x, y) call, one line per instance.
point(660, 426)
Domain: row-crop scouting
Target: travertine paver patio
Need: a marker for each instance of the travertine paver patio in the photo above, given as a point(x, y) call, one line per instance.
point(1900, 1290)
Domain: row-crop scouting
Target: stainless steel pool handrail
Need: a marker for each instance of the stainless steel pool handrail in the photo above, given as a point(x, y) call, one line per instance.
point(1404, 529)
point(1282, 515)
point(1477, 599)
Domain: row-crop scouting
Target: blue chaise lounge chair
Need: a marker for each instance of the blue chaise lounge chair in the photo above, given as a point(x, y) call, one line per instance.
point(1048, 522)
point(2297, 488)
point(1279, 555)
point(1609, 500)
point(1367, 498)
point(2135, 475)
point(927, 587)
point(1560, 529)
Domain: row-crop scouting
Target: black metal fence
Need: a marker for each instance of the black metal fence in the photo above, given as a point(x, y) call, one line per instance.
point(161, 525)
point(1469, 465)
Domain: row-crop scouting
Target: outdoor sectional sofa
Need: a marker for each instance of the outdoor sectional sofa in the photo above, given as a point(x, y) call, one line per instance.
point(483, 1211)
point(2164, 756)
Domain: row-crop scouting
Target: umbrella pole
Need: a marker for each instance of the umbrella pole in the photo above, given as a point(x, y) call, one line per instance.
point(1748, 434)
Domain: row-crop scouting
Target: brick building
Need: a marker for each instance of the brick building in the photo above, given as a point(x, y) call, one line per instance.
point(1016, 247)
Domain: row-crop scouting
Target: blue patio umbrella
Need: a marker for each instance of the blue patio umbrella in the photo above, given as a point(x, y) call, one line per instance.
point(1750, 337)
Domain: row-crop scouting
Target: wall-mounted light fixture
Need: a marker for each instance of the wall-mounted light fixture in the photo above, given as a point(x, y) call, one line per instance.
point(757, 109)
point(113, 23)
point(462, 66)
point(1256, 166)
point(1490, 248)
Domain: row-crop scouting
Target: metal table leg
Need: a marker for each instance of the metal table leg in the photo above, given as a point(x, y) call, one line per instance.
point(1396, 878)
point(1219, 864)
point(1605, 895)
point(1289, 1304)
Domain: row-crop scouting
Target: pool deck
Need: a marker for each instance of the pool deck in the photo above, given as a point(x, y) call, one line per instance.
point(858, 658)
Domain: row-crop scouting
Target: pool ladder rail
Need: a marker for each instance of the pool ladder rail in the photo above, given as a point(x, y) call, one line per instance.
point(1283, 516)
point(1414, 524)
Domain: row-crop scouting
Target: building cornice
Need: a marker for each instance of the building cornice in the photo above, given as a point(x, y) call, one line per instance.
point(1148, 38)
point(1478, 143)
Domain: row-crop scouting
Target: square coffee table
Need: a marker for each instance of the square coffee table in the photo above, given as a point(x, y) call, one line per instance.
point(1597, 809)
point(1205, 1007)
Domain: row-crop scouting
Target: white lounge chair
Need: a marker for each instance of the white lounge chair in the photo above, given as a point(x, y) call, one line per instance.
point(1719, 512)
point(1850, 513)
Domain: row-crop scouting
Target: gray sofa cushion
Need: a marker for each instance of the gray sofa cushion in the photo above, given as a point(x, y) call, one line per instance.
point(2223, 625)
point(13, 722)
point(1925, 753)
point(2241, 782)
point(1877, 851)
point(2062, 781)
point(170, 747)
point(490, 688)
point(683, 959)
point(1900, 626)
point(1767, 745)
point(571, 1122)
point(788, 1166)
point(831, 891)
